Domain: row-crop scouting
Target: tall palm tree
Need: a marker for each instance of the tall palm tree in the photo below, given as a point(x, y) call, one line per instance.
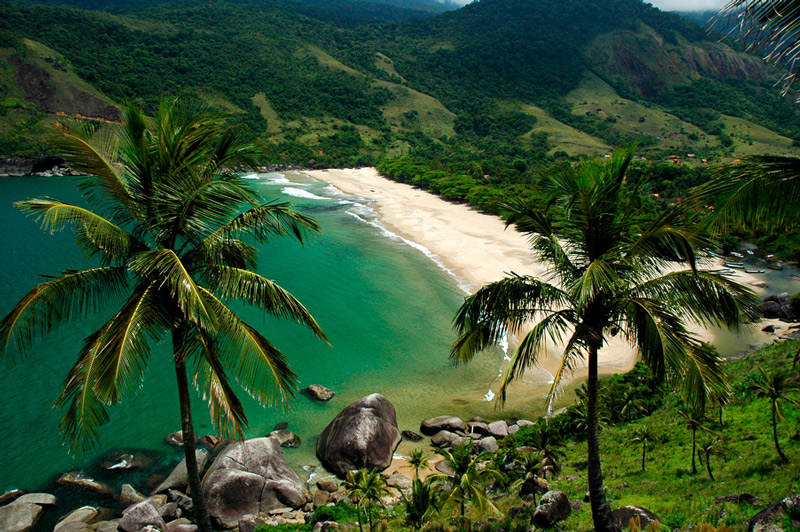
point(467, 477)
point(168, 230)
point(776, 386)
point(366, 485)
point(695, 419)
point(608, 275)
point(644, 435)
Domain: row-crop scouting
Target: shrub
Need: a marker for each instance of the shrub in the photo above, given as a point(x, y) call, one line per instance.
point(341, 511)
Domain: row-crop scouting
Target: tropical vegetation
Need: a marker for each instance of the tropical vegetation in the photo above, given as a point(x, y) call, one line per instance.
point(172, 236)
point(609, 277)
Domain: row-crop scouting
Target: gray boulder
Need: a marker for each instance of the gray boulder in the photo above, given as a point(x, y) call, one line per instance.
point(432, 425)
point(19, 517)
point(444, 439)
point(129, 495)
point(399, 481)
point(498, 429)
point(137, 517)
point(766, 518)
point(330, 485)
point(76, 519)
point(249, 523)
point(248, 478)
point(524, 423)
point(553, 508)
point(363, 435)
point(179, 478)
point(487, 444)
point(42, 499)
point(79, 480)
point(411, 435)
point(319, 393)
point(624, 515)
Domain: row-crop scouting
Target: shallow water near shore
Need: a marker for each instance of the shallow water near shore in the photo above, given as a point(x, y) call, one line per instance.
point(385, 303)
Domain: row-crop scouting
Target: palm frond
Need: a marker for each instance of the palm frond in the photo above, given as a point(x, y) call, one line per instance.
point(74, 295)
point(268, 220)
point(599, 276)
point(773, 25)
point(227, 412)
point(165, 265)
point(704, 296)
point(258, 366)
point(500, 307)
point(85, 411)
point(553, 327)
point(124, 343)
point(94, 233)
point(223, 251)
point(758, 192)
point(236, 283)
point(672, 237)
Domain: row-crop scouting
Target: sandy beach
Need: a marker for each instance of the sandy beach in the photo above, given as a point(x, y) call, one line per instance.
point(476, 247)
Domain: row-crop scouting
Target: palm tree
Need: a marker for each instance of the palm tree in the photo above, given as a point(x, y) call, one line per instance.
point(366, 485)
point(643, 435)
point(695, 419)
point(530, 464)
point(606, 277)
point(466, 478)
point(711, 446)
point(771, 25)
point(776, 386)
point(421, 503)
point(417, 459)
point(169, 241)
point(548, 441)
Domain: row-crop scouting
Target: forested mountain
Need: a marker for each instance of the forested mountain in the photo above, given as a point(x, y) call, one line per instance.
point(496, 86)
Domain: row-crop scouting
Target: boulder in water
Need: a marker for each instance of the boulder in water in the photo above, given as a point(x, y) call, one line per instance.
point(432, 425)
point(319, 393)
point(19, 516)
point(179, 478)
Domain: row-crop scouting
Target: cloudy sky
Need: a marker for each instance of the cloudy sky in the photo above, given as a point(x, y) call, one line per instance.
point(669, 5)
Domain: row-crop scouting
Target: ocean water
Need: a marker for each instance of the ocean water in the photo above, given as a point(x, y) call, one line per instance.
point(385, 305)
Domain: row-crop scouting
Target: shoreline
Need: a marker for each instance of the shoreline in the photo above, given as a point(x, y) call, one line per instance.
point(476, 248)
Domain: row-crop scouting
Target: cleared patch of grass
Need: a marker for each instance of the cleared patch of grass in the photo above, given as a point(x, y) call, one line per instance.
point(269, 114)
point(385, 63)
point(329, 61)
point(563, 137)
point(750, 138)
point(411, 109)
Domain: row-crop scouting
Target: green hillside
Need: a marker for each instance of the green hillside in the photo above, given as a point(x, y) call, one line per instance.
point(496, 85)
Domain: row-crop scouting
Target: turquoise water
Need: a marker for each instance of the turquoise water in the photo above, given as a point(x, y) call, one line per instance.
point(385, 306)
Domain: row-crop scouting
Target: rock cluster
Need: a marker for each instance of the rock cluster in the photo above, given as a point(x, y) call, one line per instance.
point(778, 307)
point(22, 513)
point(450, 431)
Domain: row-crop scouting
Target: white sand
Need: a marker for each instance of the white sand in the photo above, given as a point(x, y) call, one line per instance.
point(476, 247)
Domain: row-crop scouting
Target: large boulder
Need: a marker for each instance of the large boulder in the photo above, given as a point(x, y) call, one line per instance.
point(624, 515)
point(79, 480)
point(771, 310)
point(766, 518)
point(248, 478)
point(19, 516)
point(498, 429)
point(432, 425)
point(553, 508)
point(363, 435)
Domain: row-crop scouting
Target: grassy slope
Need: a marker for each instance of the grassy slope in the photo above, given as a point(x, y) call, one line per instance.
point(668, 487)
point(563, 137)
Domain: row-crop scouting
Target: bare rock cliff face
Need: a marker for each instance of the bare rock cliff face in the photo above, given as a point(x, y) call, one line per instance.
point(647, 64)
point(41, 89)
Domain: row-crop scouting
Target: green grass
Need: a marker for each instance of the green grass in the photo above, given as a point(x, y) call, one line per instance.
point(668, 487)
point(562, 136)
point(411, 109)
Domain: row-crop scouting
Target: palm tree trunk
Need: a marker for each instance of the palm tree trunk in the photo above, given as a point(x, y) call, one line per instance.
point(601, 512)
point(694, 450)
point(200, 512)
point(644, 453)
point(358, 513)
point(369, 515)
point(708, 466)
point(775, 432)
